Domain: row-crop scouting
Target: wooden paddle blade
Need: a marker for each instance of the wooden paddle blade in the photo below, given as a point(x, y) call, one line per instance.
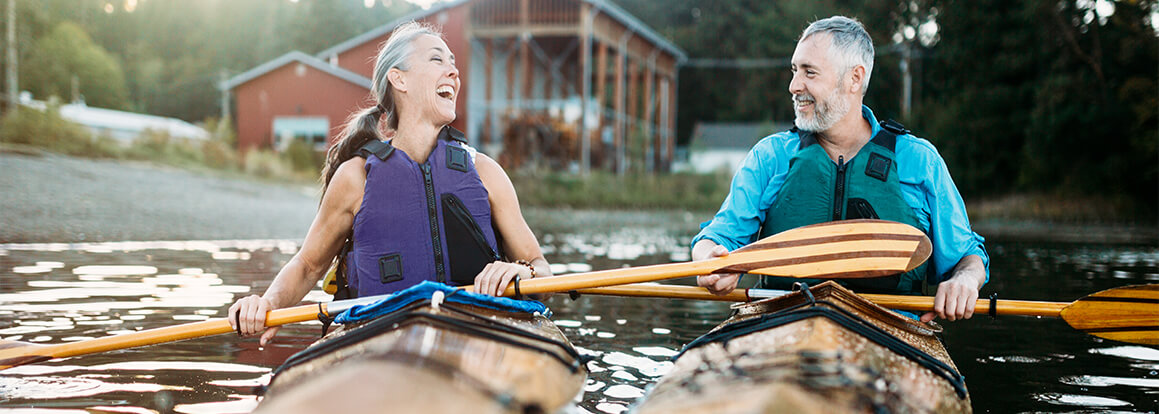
point(840, 249)
point(1127, 314)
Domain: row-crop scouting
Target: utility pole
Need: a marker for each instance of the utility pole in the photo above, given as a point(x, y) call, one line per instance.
point(223, 77)
point(906, 80)
point(10, 70)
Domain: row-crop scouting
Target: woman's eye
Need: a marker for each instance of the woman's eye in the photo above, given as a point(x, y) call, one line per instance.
point(437, 59)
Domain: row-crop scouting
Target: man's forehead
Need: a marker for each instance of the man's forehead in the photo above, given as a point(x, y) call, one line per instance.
point(813, 50)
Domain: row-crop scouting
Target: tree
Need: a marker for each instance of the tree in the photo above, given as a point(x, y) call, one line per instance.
point(65, 54)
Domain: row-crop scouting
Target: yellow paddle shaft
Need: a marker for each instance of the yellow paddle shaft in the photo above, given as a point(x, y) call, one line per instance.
point(902, 302)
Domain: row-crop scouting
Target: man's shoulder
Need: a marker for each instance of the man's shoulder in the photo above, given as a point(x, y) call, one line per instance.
point(916, 146)
point(779, 142)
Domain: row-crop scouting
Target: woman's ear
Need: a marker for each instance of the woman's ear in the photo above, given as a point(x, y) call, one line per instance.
point(396, 79)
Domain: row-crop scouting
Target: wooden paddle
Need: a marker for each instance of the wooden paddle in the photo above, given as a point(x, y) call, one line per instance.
point(1127, 314)
point(15, 353)
point(855, 248)
point(835, 250)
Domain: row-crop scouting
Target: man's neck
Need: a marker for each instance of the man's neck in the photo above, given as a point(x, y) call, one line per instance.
point(847, 137)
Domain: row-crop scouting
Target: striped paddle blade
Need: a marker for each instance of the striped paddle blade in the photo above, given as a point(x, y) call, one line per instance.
point(840, 249)
point(1127, 314)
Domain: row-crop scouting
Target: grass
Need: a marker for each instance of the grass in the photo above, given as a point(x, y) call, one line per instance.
point(30, 132)
point(682, 191)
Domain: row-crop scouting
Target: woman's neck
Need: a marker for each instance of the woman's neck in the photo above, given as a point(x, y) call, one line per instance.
point(416, 139)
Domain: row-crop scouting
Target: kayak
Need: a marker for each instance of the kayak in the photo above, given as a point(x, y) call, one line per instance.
point(819, 350)
point(436, 356)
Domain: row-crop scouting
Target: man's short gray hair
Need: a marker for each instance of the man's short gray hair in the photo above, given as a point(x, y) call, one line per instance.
point(852, 45)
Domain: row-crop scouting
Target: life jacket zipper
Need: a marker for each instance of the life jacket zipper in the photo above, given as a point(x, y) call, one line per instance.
point(433, 216)
point(839, 188)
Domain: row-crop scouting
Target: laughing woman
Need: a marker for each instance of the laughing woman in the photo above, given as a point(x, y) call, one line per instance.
point(421, 206)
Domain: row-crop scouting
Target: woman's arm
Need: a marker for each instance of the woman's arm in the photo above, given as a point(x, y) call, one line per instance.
point(518, 240)
point(324, 239)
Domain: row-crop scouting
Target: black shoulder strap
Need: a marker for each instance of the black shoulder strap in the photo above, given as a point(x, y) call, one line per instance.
point(450, 133)
point(380, 149)
point(806, 137)
point(890, 130)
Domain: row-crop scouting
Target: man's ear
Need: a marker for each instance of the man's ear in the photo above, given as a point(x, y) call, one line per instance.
point(394, 76)
point(856, 78)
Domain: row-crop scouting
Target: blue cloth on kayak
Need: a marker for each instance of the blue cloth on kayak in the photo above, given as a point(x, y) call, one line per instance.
point(425, 290)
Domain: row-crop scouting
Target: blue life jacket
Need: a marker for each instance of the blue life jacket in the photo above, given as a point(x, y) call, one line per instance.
point(420, 221)
point(818, 190)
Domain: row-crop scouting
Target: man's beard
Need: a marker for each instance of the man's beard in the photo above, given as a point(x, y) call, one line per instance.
point(826, 113)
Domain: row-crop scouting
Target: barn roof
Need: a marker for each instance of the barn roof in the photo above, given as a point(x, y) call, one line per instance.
point(295, 56)
point(604, 6)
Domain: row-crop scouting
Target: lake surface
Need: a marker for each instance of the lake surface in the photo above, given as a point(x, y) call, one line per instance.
point(52, 293)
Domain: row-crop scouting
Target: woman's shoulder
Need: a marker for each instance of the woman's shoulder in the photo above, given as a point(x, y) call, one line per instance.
point(350, 172)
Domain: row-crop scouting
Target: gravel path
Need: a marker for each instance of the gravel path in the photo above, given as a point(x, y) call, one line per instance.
point(53, 198)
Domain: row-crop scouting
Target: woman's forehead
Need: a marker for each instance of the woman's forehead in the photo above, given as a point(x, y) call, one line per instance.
point(428, 42)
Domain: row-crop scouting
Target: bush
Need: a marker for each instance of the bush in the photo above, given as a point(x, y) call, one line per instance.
point(302, 157)
point(47, 129)
point(266, 164)
point(159, 146)
point(699, 192)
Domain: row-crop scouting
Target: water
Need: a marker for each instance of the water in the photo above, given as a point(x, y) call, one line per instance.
point(52, 293)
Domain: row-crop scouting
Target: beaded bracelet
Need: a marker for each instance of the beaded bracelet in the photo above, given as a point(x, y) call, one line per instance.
point(529, 266)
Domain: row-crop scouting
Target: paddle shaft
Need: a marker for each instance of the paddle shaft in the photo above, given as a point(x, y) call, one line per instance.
point(20, 355)
point(902, 302)
point(620, 276)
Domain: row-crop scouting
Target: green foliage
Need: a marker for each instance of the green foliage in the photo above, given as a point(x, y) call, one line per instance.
point(159, 146)
point(700, 192)
point(266, 164)
point(303, 158)
point(46, 129)
point(67, 54)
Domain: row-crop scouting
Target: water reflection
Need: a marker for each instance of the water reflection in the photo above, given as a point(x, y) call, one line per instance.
point(52, 293)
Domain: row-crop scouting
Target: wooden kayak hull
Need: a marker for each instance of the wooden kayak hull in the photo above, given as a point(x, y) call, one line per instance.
point(453, 358)
point(813, 364)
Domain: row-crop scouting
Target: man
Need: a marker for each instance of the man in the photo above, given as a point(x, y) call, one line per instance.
point(839, 163)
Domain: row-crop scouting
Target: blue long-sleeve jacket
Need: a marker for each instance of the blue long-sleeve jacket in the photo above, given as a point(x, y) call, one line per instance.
point(925, 183)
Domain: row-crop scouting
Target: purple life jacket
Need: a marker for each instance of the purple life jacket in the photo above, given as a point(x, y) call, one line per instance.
point(420, 221)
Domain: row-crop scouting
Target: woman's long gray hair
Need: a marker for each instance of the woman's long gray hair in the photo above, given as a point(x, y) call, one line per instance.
point(362, 126)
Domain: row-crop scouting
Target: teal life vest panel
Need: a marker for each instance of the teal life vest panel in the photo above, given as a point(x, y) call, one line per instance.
point(818, 190)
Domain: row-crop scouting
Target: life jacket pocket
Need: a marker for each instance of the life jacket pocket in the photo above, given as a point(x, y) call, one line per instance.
point(469, 251)
point(390, 268)
point(859, 208)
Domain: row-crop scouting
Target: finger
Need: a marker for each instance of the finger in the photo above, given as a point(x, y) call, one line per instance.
point(232, 316)
point(940, 303)
point(970, 302)
point(928, 316)
point(707, 281)
point(481, 278)
point(719, 251)
point(257, 318)
point(505, 279)
point(268, 337)
point(953, 310)
point(491, 278)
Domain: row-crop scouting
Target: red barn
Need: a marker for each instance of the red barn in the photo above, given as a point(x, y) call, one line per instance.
point(592, 80)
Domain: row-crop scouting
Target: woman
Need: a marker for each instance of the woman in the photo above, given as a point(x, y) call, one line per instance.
point(423, 206)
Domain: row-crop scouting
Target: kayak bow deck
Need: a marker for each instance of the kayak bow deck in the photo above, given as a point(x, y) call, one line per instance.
point(825, 350)
point(449, 357)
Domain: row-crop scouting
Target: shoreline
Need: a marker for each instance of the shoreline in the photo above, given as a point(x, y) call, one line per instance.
point(51, 198)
